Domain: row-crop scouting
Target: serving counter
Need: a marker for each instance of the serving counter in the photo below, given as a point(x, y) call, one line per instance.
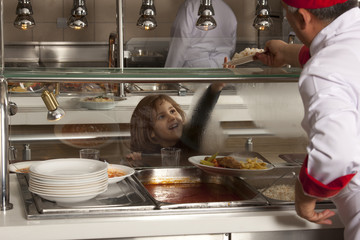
point(269, 224)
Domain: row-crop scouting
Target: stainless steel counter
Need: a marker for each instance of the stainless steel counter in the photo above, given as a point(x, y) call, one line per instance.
point(131, 198)
point(263, 224)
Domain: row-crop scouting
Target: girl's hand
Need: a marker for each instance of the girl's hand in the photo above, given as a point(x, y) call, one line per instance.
point(217, 87)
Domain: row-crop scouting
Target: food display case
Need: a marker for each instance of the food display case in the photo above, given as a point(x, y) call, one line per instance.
point(107, 129)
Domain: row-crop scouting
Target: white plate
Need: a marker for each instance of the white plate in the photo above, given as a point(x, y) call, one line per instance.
point(98, 105)
point(68, 182)
point(68, 168)
point(14, 167)
point(227, 171)
point(128, 171)
point(70, 199)
point(68, 179)
point(65, 186)
point(240, 61)
point(56, 192)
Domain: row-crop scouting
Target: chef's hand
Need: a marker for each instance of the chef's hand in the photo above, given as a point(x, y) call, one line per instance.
point(226, 65)
point(278, 53)
point(305, 207)
point(274, 53)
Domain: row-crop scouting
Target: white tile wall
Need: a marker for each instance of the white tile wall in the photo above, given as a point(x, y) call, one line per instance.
point(102, 16)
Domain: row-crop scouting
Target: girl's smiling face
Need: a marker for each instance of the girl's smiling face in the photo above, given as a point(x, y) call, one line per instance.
point(168, 124)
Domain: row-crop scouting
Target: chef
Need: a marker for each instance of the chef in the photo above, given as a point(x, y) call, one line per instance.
point(194, 48)
point(329, 85)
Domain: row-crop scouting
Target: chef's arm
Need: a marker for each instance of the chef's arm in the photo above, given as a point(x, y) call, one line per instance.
point(278, 53)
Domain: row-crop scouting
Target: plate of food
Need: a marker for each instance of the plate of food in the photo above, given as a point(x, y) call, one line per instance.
point(245, 56)
point(230, 165)
point(21, 167)
point(98, 103)
point(117, 173)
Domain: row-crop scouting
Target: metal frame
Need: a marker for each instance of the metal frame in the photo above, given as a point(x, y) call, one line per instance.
point(4, 125)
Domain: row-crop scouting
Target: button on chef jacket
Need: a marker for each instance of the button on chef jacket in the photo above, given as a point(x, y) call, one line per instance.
point(194, 48)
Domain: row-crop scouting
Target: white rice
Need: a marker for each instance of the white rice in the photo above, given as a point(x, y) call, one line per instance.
point(284, 192)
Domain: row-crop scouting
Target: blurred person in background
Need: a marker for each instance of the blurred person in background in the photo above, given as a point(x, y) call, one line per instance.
point(329, 86)
point(191, 47)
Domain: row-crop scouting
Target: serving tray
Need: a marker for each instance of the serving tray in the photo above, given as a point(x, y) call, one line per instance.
point(121, 198)
point(186, 188)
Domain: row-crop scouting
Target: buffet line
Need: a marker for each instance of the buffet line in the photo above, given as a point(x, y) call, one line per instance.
point(49, 191)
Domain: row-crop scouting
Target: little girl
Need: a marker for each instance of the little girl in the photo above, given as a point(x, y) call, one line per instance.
point(158, 121)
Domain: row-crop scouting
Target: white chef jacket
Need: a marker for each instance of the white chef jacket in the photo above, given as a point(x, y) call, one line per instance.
point(330, 89)
point(192, 47)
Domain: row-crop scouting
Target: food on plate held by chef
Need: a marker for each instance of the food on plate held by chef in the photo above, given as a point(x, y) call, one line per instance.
point(247, 52)
point(230, 162)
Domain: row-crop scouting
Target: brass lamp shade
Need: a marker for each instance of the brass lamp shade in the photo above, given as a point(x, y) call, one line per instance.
point(55, 113)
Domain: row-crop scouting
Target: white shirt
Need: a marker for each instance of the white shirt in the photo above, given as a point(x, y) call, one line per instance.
point(192, 47)
point(330, 89)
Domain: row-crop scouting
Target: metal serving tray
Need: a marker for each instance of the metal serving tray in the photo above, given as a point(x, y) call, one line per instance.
point(279, 176)
point(121, 198)
point(263, 183)
point(180, 188)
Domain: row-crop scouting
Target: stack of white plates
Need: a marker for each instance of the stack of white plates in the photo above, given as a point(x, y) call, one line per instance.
point(68, 180)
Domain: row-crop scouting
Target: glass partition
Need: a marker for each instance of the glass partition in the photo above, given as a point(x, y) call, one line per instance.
point(267, 113)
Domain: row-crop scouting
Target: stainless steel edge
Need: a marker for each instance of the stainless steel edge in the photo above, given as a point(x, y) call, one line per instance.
point(4, 146)
point(147, 79)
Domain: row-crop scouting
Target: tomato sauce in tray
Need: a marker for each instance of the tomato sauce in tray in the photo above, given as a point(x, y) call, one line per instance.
point(175, 188)
point(191, 193)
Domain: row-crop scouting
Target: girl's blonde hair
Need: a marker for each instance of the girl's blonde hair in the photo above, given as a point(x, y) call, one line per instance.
point(142, 122)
